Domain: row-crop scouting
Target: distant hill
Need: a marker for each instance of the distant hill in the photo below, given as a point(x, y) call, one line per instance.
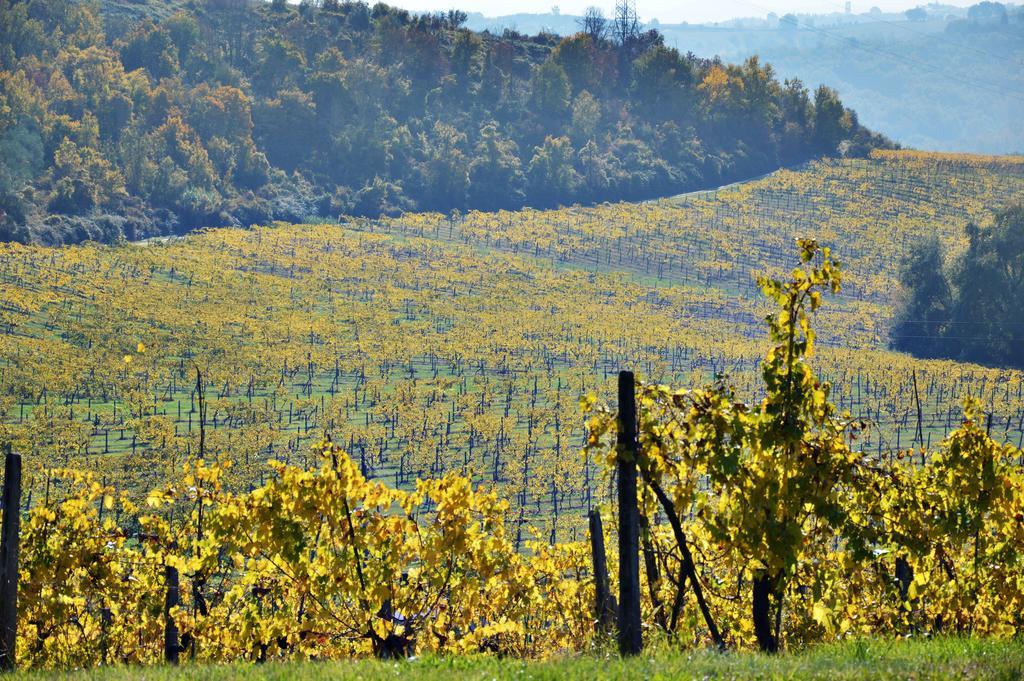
point(133, 118)
point(940, 78)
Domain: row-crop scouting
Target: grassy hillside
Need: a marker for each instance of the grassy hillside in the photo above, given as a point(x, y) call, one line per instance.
point(426, 344)
point(882, 660)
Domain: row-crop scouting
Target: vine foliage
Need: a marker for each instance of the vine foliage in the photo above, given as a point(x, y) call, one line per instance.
point(763, 526)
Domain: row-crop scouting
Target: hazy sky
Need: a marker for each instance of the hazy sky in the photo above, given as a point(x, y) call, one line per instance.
point(668, 11)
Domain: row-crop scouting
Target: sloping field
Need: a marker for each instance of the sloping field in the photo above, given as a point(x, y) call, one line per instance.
point(432, 343)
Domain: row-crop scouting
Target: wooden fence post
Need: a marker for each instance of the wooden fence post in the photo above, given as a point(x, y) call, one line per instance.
point(604, 607)
point(630, 634)
point(172, 600)
point(9, 559)
point(106, 619)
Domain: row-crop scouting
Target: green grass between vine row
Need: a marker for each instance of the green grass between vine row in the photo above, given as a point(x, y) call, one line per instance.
point(865, 659)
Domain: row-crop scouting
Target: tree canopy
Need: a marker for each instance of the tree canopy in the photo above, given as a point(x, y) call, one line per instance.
point(234, 112)
point(970, 310)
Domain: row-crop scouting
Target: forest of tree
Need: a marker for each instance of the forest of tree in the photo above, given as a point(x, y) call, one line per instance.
point(970, 309)
point(236, 112)
point(917, 75)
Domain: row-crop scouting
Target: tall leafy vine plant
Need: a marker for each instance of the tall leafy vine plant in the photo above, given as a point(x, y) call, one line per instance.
point(752, 487)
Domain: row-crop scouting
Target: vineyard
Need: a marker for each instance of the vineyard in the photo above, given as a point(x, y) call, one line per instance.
point(430, 344)
point(374, 365)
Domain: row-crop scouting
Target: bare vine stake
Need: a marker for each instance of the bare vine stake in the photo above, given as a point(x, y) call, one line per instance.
point(630, 634)
point(172, 600)
point(198, 582)
point(604, 606)
point(9, 559)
